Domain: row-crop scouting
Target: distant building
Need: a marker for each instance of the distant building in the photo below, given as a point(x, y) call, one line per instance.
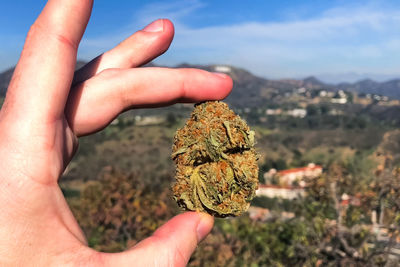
point(324, 93)
point(301, 90)
point(336, 112)
point(225, 69)
point(363, 101)
point(148, 120)
point(272, 112)
point(263, 119)
point(346, 200)
point(263, 214)
point(287, 184)
point(298, 112)
point(377, 97)
point(339, 100)
point(292, 176)
point(259, 214)
point(389, 103)
point(342, 94)
point(276, 191)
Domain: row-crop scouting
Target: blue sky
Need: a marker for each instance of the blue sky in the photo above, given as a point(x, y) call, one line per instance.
point(335, 40)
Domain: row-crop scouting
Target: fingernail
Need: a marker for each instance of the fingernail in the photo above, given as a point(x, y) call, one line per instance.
point(204, 227)
point(222, 75)
point(155, 26)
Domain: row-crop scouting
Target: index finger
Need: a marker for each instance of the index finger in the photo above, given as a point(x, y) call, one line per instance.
point(42, 79)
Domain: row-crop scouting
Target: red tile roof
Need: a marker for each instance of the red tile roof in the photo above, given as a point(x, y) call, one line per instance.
point(316, 167)
point(279, 186)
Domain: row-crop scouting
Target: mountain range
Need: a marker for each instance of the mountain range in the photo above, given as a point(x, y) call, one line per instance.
point(250, 90)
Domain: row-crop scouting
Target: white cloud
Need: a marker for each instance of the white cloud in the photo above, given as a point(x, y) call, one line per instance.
point(174, 10)
point(339, 40)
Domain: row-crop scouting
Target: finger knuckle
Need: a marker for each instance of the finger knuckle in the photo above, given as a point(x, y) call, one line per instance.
point(182, 87)
point(121, 93)
point(108, 73)
point(50, 33)
point(34, 29)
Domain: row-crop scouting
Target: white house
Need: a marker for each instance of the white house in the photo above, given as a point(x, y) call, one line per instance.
point(285, 192)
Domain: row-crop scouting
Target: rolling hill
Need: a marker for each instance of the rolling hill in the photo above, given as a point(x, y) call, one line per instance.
point(250, 90)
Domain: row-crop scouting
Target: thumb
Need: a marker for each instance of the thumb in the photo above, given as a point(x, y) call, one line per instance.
point(171, 245)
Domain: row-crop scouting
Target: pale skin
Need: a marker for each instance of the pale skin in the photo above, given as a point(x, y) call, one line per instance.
point(48, 107)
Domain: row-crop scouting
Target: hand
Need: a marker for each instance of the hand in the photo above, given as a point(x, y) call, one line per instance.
point(47, 108)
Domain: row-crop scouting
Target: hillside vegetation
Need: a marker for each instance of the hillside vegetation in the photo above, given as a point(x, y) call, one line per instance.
point(118, 184)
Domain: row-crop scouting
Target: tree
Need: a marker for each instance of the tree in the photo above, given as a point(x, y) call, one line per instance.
point(338, 212)
point(329, 229)
point(118, 210)
point(312, 110)
point(171, 119)
point(325, 108)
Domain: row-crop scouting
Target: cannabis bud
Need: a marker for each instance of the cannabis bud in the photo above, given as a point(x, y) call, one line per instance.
point(216, 163)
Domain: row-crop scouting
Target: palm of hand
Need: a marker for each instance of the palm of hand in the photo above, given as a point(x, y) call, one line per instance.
point(42, 117)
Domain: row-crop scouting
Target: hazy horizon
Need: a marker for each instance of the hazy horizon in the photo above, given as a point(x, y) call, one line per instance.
point(328, 78)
